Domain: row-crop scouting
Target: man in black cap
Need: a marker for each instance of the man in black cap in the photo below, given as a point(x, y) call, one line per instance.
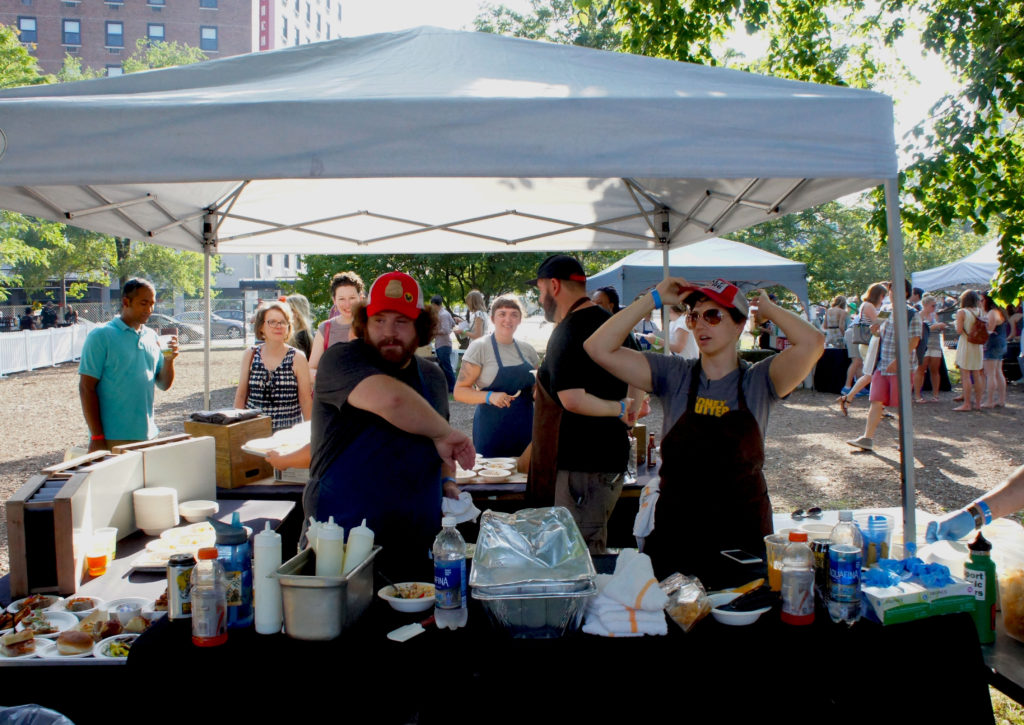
point(580, 442)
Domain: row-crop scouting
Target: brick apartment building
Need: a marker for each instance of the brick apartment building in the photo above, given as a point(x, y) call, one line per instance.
point(102, 33)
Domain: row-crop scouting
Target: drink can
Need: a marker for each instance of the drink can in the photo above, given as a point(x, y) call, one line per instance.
point(844, 563)
point(819, 547)
point(179, 586)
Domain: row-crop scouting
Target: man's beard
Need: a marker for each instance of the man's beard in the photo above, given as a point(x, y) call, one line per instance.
point(393, 356)
point(550, 306)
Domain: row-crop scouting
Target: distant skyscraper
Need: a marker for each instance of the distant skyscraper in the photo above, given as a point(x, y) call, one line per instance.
point(102, 33)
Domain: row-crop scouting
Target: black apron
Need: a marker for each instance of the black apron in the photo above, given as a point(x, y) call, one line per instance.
point(547, 419)
point(713, 492)
point(506, 431)
point(393, 480)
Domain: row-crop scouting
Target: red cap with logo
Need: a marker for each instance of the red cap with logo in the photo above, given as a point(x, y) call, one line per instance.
point(395, 292)
point(722, 292)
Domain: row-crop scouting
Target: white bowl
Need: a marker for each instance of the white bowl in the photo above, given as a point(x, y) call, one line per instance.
point(196, 511)
point(400, 604)
point(734, 619)
point(82, 613)
point(133, 606)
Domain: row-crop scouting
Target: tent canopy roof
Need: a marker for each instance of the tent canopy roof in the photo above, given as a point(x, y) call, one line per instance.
point(742, 264)
point(436, 139)
point(978, 267)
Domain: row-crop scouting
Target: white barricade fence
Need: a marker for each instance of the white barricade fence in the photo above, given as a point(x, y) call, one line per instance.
point(32, 349)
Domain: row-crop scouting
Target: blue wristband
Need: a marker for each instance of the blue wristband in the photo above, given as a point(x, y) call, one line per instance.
point(657, 298)
point(622, 414)
point(446, 479)
point(487, 400)
point(985, 510)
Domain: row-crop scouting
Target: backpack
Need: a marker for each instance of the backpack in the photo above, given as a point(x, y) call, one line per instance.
point(978, 334)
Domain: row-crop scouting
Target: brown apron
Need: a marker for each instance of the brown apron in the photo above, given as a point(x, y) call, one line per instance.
point(547, 418)
point(713, 492)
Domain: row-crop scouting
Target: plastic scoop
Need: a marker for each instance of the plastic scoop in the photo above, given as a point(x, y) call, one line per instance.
point(408, 631)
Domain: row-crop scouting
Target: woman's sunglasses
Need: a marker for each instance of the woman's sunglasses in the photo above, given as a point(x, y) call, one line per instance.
point(712, 316)
point(814, 512)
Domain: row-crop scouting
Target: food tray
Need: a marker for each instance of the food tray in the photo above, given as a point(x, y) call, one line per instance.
point(532, 611)
point(322, 607)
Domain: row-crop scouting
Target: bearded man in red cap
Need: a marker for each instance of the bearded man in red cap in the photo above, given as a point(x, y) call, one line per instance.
point(381, 443)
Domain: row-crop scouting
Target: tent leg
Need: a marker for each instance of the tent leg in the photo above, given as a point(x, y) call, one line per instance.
point(899, 302)
point(209, 244)
point(664, 310)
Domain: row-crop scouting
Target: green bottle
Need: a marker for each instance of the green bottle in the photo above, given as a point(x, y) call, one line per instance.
point(981, 572)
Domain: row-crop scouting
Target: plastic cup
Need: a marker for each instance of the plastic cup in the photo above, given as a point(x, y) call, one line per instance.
point(108, 537)
point(96, 557)
point(877, 532)
point(775, 550)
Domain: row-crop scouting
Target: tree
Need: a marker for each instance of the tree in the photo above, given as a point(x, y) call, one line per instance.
point(150, 54)
point(14, 251)
point(968, 159)
point(63, 251)
point(557, 21)
point(17, 66)
point(450, 275)
point(72, 70)
point(171, 270)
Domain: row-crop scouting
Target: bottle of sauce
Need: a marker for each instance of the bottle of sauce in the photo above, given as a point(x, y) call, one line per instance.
point(980, 571)
point(650, 451)
point(360, 543)
point(267, 589)
point(330, 548)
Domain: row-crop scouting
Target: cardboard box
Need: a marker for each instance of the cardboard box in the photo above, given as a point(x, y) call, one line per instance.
point(908, 601)
point(235, 467)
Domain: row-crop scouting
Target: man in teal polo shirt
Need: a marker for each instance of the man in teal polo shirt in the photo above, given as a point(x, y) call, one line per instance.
point(121, 363)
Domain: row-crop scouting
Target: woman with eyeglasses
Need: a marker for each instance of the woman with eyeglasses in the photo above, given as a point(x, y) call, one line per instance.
point(713, 494)
point(275, 376)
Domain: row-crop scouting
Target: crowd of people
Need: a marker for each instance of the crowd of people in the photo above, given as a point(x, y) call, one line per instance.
point(372, 400)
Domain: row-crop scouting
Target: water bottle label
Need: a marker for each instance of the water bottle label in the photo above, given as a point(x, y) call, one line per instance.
point(844, 564)
point(233, 586)
point(977, 579)
point(798, 593)
point(450, 584)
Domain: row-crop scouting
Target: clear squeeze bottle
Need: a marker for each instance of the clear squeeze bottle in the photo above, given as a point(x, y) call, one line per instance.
point(845, 559)
point(798, 580)
point(209, 600)
point(981, 572)
point(450, 577)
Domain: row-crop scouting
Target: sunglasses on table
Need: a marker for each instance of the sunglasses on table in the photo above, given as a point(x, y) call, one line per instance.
point(812, 513)
point(712, 316)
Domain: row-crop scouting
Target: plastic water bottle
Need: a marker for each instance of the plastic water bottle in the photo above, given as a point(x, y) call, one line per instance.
point(450, 577)
point(798, 580)
point(845, 560)
point(235, 555)
point(209, 600)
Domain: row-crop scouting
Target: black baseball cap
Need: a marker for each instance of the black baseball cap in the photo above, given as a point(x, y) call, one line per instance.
point(560, 266)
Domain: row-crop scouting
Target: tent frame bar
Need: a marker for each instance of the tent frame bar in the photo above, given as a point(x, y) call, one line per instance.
point(108, 207)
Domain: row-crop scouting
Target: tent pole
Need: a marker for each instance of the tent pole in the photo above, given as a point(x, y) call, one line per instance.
point(899, 318)
point(209, 245)
point(665, 272)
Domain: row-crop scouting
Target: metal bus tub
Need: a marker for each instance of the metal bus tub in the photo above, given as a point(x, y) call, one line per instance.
point(537, 610)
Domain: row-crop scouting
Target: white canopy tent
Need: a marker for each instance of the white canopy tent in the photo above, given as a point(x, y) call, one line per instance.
point(743, 265)
point(977, 268)
point(441, 140)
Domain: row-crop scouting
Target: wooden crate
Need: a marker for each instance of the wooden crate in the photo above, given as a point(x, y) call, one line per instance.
point(235, 467)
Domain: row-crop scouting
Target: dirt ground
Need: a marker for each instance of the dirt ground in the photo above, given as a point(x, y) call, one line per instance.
point(957, 455)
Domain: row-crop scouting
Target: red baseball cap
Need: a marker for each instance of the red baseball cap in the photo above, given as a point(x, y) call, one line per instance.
point(722, 292)
point(396, 292)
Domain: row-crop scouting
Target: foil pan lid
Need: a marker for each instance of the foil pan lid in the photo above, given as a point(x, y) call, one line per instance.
point(530, 545)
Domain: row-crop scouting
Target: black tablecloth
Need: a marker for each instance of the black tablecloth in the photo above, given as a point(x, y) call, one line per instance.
point(830, 373)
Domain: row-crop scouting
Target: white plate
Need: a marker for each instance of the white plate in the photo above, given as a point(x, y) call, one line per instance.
point(60, 620)
point(462, 475)
point(494, 473)
point(513, 461)
point(15, 606)
point(63, 607)
point(100, 651)
point(500, 464)
point(47, 650)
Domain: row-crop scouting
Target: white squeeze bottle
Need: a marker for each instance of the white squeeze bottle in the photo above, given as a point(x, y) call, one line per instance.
point(267, 589)
point(330, 548)
point(360, 543)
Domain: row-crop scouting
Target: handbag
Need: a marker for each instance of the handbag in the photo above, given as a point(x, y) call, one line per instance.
point(978, 334)
point(861, 333)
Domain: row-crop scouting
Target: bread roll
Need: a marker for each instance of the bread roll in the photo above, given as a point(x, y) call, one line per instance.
point(73, 642)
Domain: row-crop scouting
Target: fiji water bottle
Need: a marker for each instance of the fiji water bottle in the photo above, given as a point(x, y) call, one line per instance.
point(798, 580)
point(449, 577)
point(845, 559)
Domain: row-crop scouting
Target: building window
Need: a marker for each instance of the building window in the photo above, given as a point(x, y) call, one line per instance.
point(328, 4)
point(115, 34)
point(286, 262)
point(155, 31)
point(328, 29)
point(72, 34)
point(156, 3)
point(208, 37)
point(270, 260)
point(298, 40)
point(208, 4)
point(339, 11)
point(309, 15)
point(115, 70)
point(296, 7)
point(27, 29)
point(318, 22)
point(26, 2)
point(284, 28)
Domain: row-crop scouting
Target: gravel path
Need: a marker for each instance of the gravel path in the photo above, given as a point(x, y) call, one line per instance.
point(958, 455)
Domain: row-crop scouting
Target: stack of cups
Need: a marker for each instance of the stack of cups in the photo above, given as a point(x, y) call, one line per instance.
point(156, 509)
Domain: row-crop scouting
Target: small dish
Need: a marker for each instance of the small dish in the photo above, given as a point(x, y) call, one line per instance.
point(402, 604)
point(197, 511)
point(102, 648)
point(494, 473)
point(462, 474)
point(733, 619)
point(59, 620)
point(125, 608)
point(67, 604)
